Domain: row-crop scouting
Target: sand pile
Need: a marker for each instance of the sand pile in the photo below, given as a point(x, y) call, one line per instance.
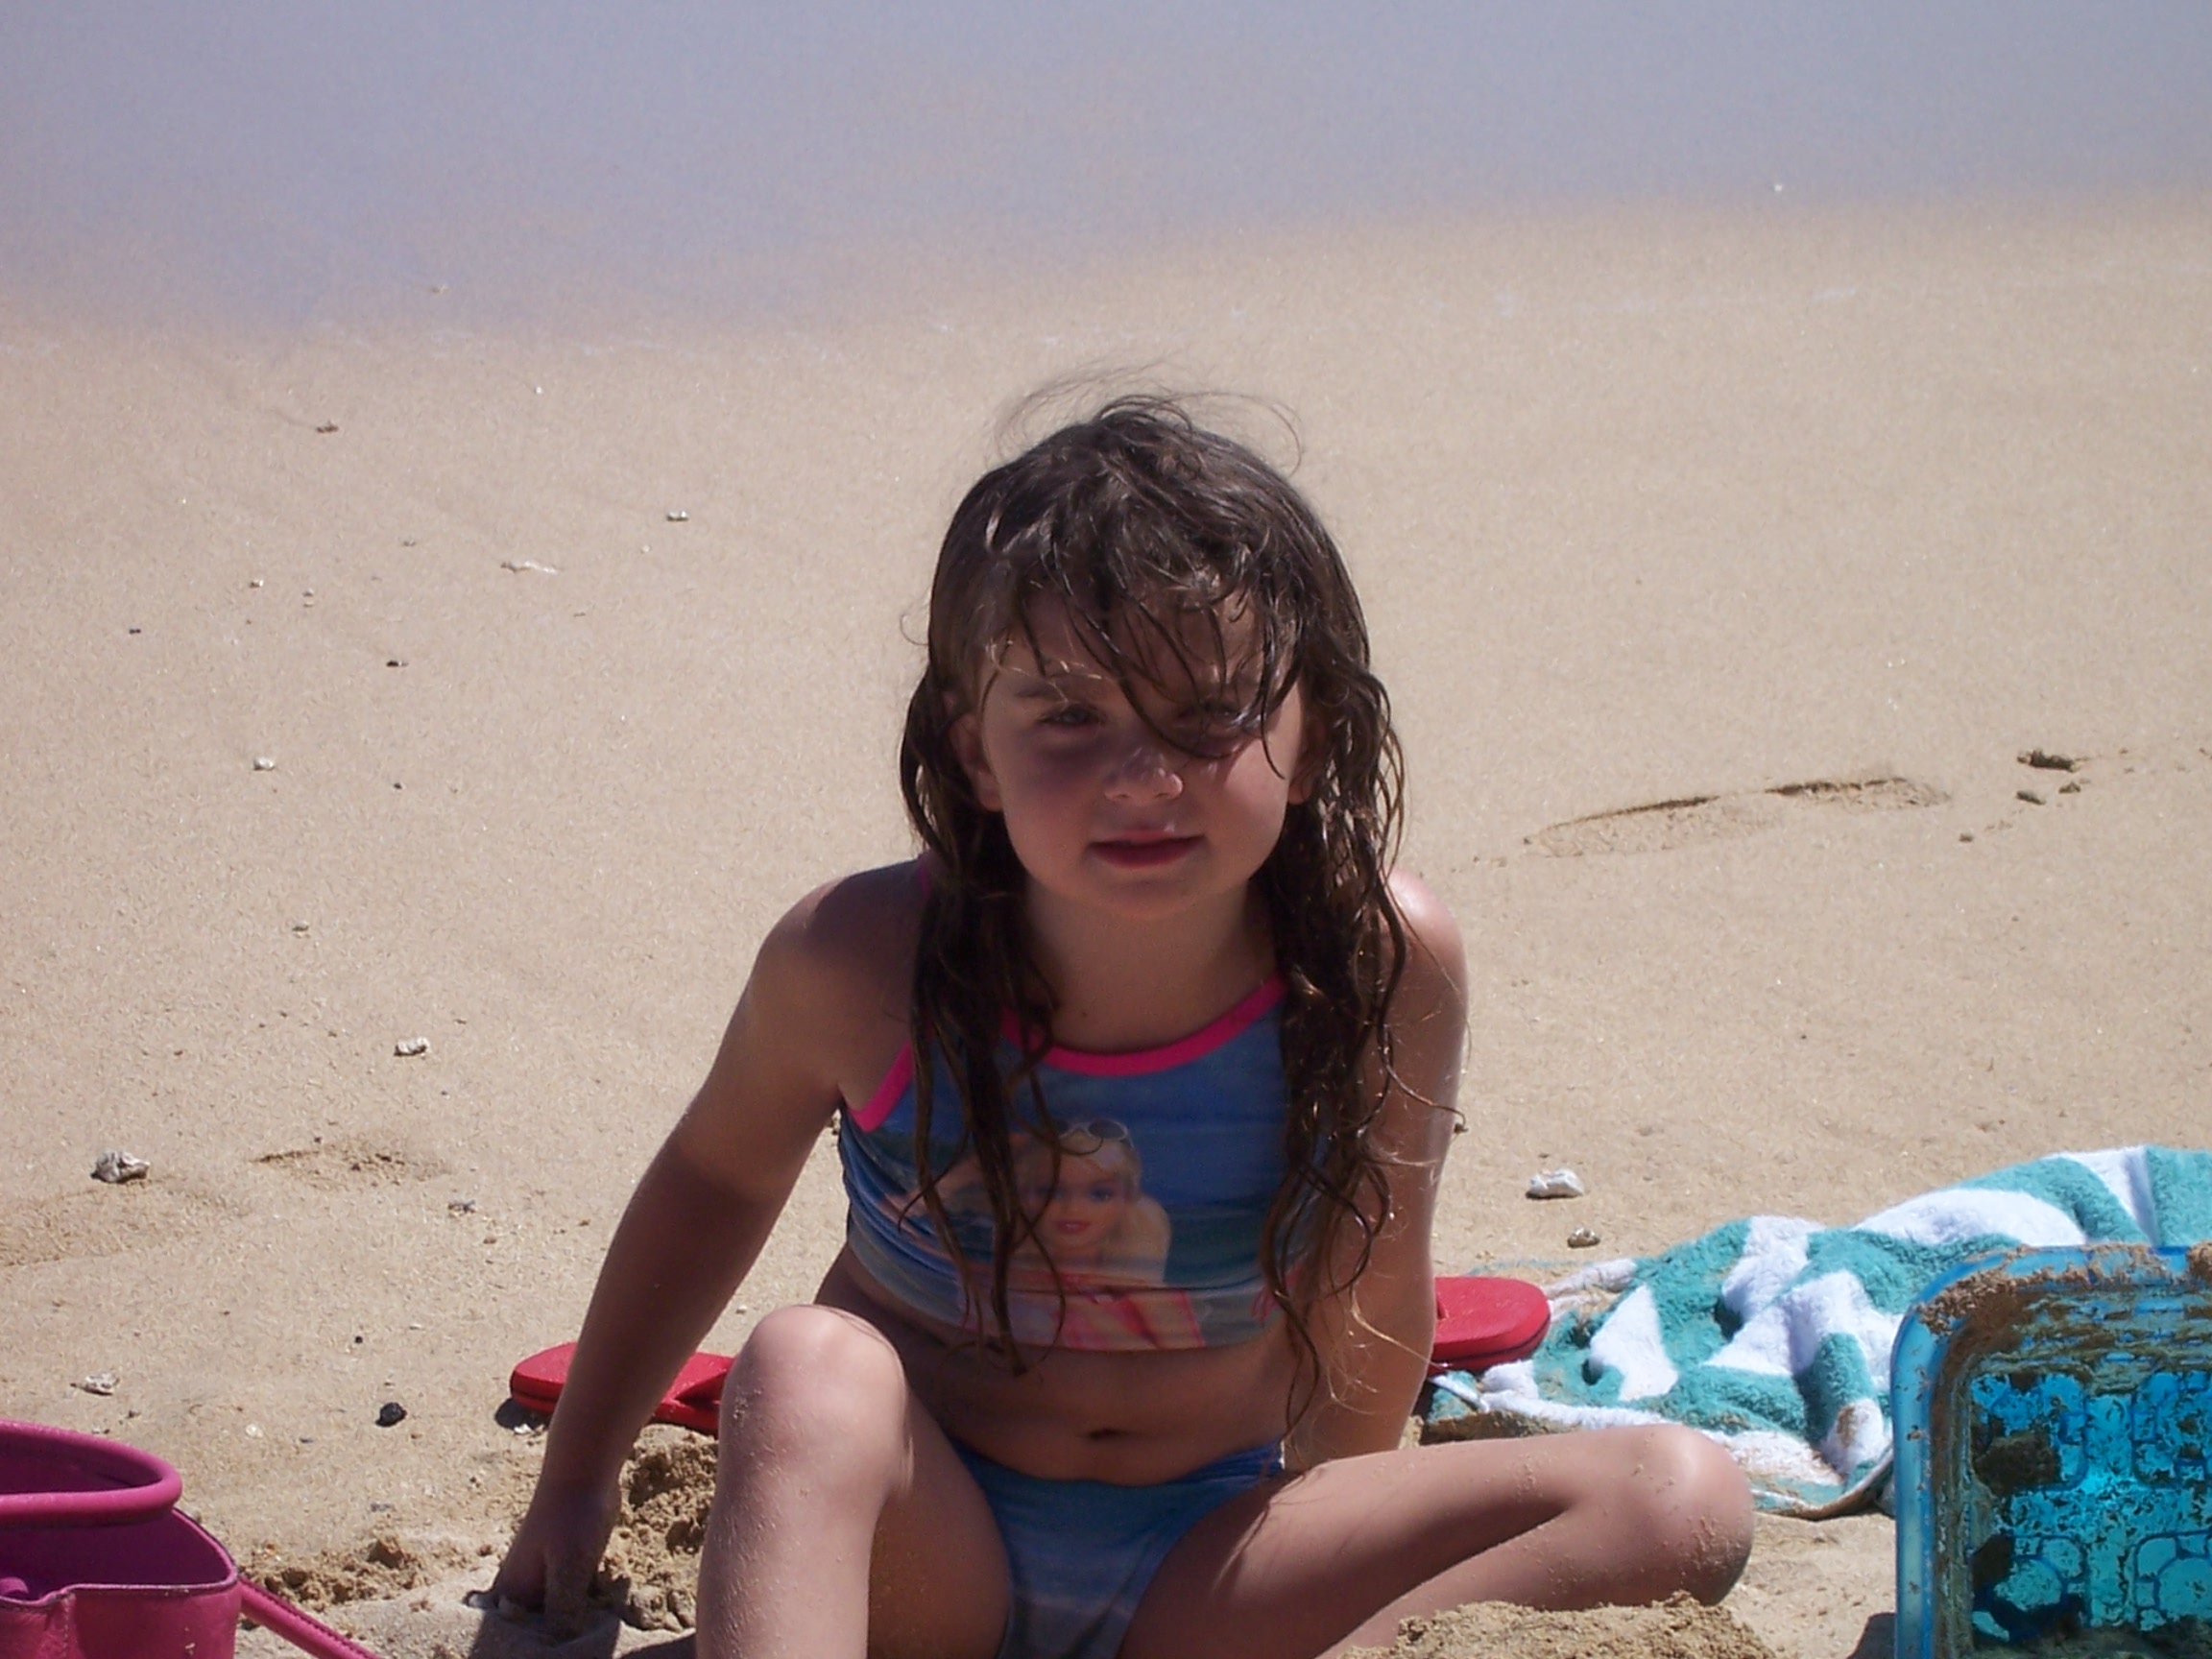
point(1678, 1628)
point(648, 1578)
point(651, 1571)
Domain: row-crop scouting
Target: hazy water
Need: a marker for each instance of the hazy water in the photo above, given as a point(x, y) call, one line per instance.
point(294, 157)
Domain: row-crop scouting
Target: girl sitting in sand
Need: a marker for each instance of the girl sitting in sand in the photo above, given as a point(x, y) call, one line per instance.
point(1156, 787)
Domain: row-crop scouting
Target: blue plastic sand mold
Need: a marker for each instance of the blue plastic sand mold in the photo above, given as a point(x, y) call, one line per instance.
point(2054, 1422)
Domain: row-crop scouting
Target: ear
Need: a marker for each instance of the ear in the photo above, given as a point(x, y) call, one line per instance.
point(967, 735)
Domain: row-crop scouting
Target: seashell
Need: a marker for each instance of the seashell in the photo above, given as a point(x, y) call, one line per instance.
point(519, 565)
point(116, 1168)
point(100, 1382)
point(1582, 1239)
point(1561, 1183)
point(407, 1047)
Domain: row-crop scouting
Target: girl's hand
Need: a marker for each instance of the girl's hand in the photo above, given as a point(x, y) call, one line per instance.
point(556, 1551)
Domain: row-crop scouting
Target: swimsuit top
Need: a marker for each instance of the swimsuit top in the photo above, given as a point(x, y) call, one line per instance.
point(1169, 1160)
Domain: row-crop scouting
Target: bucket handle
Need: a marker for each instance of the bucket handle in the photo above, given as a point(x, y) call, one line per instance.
point(139, 1486)
point(129, 1485)
point(303, 1630)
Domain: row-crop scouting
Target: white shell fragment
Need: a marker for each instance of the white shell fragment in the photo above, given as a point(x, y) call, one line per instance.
point(677, 515)
point(264, 763)
point(100, 1382)
point(407, 1047)
point(1559, 1183)
point(1582, 1239)
point(519, 565)
point(116, 1168)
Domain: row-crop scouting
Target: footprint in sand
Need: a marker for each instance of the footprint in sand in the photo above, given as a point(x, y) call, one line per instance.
point(352, 1163)
point(102, 1221)
point(1662, 825)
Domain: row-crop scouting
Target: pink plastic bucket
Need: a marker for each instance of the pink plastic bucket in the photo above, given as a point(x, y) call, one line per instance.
point(96, 1563)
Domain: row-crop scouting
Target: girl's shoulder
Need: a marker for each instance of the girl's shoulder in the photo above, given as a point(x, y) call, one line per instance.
point(1427, 1035)
point(1435, 958)
point(851, 939)
point(826, 1007)
point(822, 1016)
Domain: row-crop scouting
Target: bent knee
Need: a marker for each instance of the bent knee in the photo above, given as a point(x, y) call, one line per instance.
point(1692, 1508)
point(813, 1381)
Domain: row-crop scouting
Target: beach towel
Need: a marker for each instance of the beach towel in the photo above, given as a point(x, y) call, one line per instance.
point(1772, 1334)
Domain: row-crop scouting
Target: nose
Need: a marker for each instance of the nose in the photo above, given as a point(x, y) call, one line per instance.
point(1144, 772)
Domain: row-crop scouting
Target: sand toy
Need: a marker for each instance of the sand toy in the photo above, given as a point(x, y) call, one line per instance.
point(96, 1562)
point(2053, 1415)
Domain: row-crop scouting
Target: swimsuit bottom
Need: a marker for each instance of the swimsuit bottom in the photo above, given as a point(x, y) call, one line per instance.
point(1081, 1554)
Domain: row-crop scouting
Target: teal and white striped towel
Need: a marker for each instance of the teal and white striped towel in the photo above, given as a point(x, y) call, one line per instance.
point(1772, 1334)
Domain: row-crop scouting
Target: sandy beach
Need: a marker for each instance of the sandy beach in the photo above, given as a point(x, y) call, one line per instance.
point(408, 731)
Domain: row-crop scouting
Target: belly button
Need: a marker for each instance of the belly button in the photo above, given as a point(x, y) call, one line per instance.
point(1105, 1434)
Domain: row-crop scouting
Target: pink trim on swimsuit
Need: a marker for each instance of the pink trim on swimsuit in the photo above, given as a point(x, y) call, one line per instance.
point(1136, 1061)
point(870, 1116)
point(1131, 1062)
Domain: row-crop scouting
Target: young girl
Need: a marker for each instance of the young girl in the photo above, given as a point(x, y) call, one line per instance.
point(1156, 788)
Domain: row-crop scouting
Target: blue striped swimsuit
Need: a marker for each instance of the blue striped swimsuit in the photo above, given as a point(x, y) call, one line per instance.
point(1169, 1161)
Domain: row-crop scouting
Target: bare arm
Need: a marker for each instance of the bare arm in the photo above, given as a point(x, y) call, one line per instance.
point(1374, 1341)
point(685, 1241)
point(691, 1232)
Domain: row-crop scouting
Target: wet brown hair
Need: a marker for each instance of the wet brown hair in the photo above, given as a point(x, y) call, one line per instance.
point(1140, 523)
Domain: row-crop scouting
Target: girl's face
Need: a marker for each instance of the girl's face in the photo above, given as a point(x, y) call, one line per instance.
point(1101, 811)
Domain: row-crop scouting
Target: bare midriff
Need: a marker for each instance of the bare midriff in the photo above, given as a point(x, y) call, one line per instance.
point(1128, 1419)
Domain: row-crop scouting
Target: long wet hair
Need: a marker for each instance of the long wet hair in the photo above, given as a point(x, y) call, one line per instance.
point(1183, 561)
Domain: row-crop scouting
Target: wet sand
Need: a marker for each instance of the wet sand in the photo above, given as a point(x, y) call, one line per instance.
point(1721, 566)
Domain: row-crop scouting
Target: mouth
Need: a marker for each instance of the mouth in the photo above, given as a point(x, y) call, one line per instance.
point(1144, 851)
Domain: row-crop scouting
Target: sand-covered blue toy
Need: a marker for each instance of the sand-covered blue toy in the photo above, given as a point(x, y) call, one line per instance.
point(2054, 1418)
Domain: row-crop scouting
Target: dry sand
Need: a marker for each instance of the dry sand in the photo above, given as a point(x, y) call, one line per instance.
point(1647, 509)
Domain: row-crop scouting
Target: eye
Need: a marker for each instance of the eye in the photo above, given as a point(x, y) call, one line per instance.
point(1214, 724)
point(1069, 716)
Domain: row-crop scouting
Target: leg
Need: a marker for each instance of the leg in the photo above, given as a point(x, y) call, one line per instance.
point(843, 1521)
point(1339, 1555)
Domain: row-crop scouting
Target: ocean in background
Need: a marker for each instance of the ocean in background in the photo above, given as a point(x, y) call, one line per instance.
point(294, 160)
